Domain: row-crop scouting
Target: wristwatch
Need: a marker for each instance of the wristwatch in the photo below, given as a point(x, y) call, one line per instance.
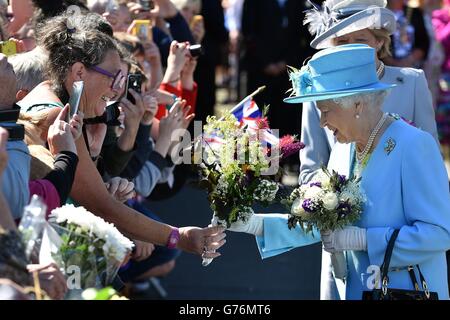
point(174, 237)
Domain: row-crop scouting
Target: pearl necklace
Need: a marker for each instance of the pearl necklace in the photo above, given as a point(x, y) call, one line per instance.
point(361, 156)
point(380, 70)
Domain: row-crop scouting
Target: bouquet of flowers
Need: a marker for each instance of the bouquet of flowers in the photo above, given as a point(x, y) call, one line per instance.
point(330, 202)
point(86, 246)
point(238, 166)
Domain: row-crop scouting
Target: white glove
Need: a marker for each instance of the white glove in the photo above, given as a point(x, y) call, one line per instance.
point(349, 238)
point(254, 225)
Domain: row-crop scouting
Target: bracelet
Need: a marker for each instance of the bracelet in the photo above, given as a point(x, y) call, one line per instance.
point(174, 237)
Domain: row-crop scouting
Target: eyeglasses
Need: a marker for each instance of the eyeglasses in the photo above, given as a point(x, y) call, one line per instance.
point(118, 78)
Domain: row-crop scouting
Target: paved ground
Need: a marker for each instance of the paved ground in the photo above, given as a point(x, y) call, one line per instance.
point(239, 273)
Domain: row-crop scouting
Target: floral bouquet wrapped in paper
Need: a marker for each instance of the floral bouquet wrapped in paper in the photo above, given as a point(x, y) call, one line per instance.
point(88, 248)
point(239, 165)
point(330, 202)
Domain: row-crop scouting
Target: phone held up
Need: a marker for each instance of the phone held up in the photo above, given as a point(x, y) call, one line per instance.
point(147, 5)
point(134, 82)
point(74, 100)
point(142, 29)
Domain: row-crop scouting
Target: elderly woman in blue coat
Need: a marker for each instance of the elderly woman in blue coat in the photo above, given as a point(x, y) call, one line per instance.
point(402, 172)
point(341, 22)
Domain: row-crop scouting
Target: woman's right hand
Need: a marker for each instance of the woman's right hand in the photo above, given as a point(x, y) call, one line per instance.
point(121, 189)
point(142, 250)
point(60, 137)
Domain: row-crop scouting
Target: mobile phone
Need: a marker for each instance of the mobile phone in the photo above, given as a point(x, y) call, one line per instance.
point(142, 29)
point(195, 50)
point(8, 47)
point(75, 97)
point(147, 5)
point(134, 82)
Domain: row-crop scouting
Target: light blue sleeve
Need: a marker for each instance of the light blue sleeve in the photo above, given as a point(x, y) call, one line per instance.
point(424, 117)
point(147, 178)
point(317, 147)
point(16, 177)
point(277, 238)
point(426, 203)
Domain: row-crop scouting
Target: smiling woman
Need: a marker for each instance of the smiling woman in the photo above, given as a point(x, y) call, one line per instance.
point(74, 53)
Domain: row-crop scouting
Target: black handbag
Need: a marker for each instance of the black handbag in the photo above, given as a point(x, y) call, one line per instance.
point(386, 293)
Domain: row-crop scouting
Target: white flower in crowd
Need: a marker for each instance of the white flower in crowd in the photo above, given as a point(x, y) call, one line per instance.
point(116, 245)
point(330, 200)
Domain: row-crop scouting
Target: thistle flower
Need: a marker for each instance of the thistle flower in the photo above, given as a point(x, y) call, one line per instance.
point(289, 146)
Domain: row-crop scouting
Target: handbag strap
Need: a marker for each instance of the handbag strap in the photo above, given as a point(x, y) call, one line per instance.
point(388, 255)
point(385, 268)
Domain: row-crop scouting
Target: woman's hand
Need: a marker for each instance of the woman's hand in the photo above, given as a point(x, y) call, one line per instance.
point(142, 250)
point(151, 107)
point(349, 238)
point(202, 241)
point(178, 54)
point(76, 125)
point(60, 137)
point(121, 189)
point(133, 112)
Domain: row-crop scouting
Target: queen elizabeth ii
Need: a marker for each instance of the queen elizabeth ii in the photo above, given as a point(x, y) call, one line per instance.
point(402, 174)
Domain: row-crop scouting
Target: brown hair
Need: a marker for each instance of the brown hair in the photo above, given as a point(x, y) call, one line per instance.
point(67, 46)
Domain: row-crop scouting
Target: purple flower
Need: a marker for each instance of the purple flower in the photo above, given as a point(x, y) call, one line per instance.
point(342, 178)
point(317, 184)
point(308, 205)
point(344, 209)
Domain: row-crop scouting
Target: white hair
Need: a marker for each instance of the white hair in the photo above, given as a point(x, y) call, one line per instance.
point(29, 68)
point(371, 99)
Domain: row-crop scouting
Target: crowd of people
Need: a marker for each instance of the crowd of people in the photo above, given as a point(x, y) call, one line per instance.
point(116, 149)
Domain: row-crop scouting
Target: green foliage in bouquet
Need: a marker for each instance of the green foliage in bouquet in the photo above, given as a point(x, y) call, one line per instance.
point(232, 172)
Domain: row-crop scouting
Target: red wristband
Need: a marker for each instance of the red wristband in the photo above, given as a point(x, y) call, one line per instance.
point(174, 237)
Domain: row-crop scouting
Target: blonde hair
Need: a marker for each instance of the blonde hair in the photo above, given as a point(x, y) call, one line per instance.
point(382, 35)
point(42, 161)
point(41, 158)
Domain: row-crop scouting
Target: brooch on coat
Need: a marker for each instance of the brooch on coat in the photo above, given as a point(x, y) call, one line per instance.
point(389, 145)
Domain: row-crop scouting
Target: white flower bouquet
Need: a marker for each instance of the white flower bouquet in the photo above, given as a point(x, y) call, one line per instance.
point(88, 245)
point(330, 202)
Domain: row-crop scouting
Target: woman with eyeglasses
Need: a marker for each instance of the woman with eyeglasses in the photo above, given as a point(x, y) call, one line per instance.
point(92, 57)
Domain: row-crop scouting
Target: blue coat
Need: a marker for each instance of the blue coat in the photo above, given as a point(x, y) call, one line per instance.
point(406, 188)
point(411, 99)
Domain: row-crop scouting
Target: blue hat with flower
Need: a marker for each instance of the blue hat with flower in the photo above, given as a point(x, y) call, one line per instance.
point(336, 72)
